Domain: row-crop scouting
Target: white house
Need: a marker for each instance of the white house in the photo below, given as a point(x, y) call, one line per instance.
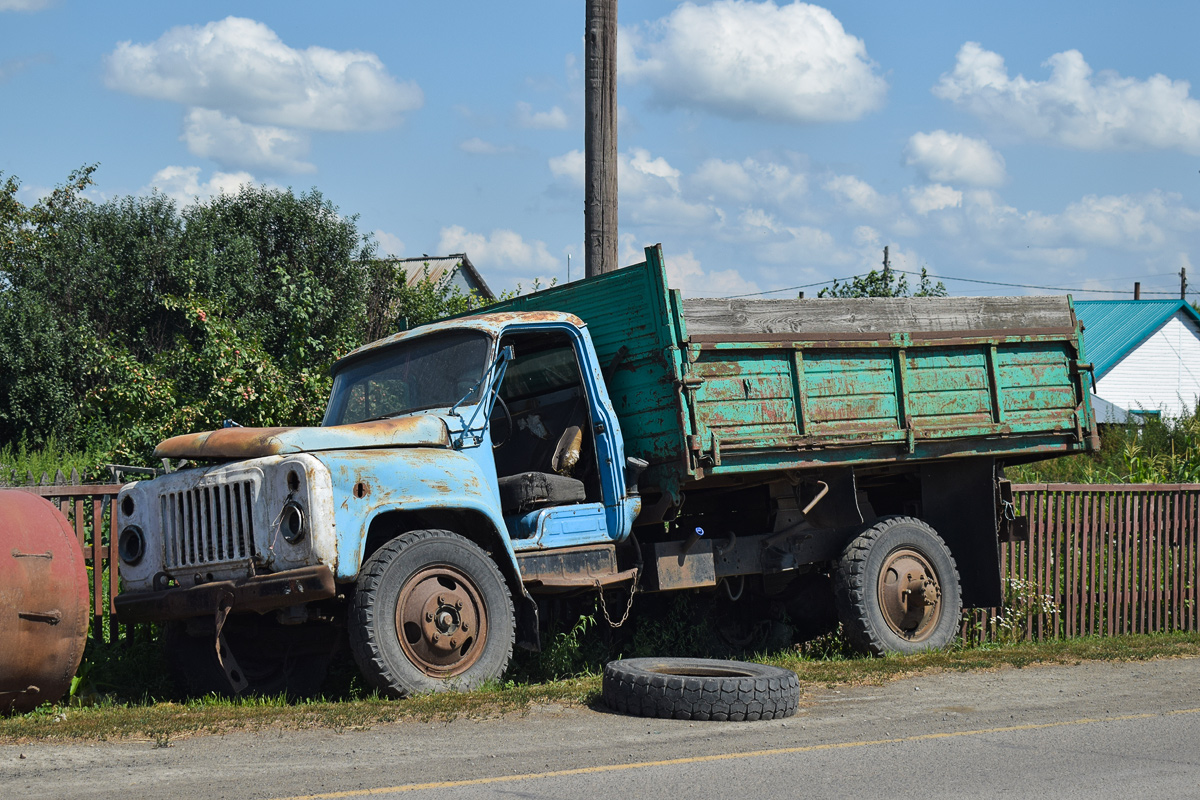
point(1146, 353)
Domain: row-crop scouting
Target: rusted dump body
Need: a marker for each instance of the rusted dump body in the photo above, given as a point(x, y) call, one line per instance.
point(43, 602)
point(732, 390)
point(241, 443)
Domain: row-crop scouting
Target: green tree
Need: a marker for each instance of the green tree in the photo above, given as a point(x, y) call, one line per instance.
point(884, 283)
point(131, 320)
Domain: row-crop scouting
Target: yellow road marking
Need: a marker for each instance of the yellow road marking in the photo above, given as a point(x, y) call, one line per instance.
point(670, 762)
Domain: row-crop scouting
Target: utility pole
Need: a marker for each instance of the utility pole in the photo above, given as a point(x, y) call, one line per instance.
point(887, 271)
point(1137, 290)
point(600, 138)
point(1183, 283)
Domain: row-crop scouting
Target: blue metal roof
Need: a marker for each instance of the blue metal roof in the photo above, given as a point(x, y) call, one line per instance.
point(1111, 328)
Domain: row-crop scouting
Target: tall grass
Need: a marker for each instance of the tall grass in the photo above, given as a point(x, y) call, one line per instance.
point(21, 464)
point(1162, 450)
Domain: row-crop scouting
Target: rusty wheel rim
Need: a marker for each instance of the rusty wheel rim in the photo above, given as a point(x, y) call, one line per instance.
point(909, 594)
point(441, 621)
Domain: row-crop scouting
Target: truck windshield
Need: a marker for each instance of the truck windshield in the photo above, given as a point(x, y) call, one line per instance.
point(433, 371)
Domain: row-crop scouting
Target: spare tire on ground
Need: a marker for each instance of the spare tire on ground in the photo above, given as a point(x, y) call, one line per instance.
point(700, 689)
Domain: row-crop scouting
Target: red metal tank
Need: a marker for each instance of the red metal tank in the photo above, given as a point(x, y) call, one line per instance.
point(43, 602)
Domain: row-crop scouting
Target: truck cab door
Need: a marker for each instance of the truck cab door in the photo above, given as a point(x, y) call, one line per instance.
point(555, 442)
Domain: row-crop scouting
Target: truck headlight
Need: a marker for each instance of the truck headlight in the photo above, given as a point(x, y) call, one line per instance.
point(291, 522)
point(131, 545)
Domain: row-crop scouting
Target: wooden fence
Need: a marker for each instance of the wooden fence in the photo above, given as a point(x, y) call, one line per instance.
point(1101, 559)
point(92, 512)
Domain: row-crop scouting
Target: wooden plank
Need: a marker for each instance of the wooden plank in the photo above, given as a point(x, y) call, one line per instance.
point(1176, 545)
point(1055, 566)
point(1112, 510)
point(1143, 532)
point(1070, 563)
point(97, 574)
point(1085, 567)
point(1126, 557)
point(113, 561)
point(1194, 558)
point(882, 315)
point(80, 529)
point(1044, 560)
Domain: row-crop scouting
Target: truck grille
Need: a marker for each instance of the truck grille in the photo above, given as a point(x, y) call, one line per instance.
point(208, 524)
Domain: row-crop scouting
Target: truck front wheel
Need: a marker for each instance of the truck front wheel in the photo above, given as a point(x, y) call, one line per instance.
point(896, 589)
point(431, 613)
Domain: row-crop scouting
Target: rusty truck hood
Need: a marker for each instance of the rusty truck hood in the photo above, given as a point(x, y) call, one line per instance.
point(239, 443)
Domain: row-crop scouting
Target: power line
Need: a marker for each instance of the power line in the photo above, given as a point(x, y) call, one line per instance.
point(790, 288)
point(951, 278)
point(1024, 285)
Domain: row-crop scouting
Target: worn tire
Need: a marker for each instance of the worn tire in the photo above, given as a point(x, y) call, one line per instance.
point(700, 689)
point(869, 592)
point(431, 613)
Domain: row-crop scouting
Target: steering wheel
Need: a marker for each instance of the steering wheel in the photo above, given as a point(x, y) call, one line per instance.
point(496, 445)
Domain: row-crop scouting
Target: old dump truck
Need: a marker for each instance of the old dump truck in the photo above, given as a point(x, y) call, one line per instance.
point(607, 435)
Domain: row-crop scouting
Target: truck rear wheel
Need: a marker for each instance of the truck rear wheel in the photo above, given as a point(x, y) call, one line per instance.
point(431, 613)
point(896, 589)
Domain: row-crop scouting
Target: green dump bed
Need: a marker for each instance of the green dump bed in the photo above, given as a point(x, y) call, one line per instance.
point(705, 388)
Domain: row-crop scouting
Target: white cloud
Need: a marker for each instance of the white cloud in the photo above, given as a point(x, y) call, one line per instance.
point(750, 181)
point(183, 185)
point(638, 163)
point(1075, 108)
point(685, 274)
point(502, 248)
point(236, 144)
point(555, 119)
point(481, 147)
point(241, 67)
point(649, 187)
point(735, 58)
point(805, 245)
point(865, 235)
point(1151, 223)
point(933, 197)
point(390, 245)
point(637, 172)
point(954, 158)
point(571, 166)
point(859, 196)
point(24, 5)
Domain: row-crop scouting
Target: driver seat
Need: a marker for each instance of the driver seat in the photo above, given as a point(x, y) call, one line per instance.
point(529, 491)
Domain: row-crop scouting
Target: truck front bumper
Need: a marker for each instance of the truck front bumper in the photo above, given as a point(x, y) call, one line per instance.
point(260, 593)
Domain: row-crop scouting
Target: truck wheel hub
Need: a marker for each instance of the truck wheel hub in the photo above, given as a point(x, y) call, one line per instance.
point(909, 594)
point(441, 621)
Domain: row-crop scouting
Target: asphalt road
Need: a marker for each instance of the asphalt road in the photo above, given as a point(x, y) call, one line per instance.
point(1092, 730)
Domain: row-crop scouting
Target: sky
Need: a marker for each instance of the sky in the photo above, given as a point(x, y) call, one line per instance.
point(770, 147)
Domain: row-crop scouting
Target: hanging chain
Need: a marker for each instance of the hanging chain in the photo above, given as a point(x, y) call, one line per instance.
point(628, 606)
